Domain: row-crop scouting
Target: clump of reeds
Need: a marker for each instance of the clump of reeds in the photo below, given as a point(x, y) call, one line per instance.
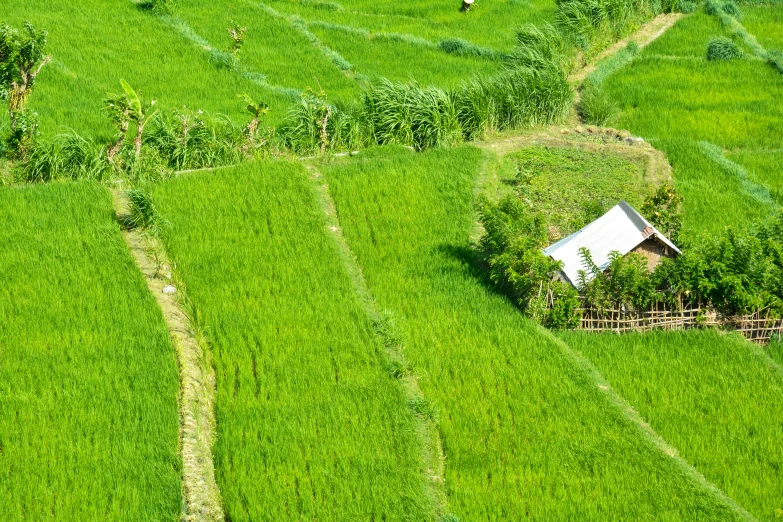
point(595, 105)
point(530, 89)
point(722, 48)
point(460, 47)
point(191, 139)
point(66, 156)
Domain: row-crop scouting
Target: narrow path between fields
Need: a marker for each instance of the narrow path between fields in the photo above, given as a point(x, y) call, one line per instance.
point(200, 494)
point(432, 457)
point(644, 36)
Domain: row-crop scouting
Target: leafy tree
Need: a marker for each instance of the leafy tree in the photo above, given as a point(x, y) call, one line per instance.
point(21, 60)
point(512, 248)
point(664, 210)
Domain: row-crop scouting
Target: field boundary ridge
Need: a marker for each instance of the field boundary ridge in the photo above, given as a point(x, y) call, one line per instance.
point(201, 499)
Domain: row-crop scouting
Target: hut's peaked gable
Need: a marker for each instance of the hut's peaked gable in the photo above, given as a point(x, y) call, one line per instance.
point(622, 229)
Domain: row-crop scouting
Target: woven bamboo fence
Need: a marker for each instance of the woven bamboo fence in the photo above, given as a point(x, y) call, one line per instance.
point(758, 327)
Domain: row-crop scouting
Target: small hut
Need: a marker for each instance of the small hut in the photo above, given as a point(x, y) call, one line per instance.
point(623, 230)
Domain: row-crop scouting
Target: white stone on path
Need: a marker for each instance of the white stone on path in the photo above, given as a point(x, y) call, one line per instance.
point(169, 290)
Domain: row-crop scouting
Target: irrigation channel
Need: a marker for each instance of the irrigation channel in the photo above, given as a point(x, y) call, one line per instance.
point(201, 496)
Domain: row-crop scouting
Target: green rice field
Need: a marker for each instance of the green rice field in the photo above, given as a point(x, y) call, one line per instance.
point(714, 108)
point(316, 196)
point(88, 377)
point(715, 398)
point(309, 422)
point(523, 428)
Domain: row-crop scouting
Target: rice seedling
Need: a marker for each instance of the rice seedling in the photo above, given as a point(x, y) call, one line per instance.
point(310, 425)
point(524, 430)
point(89, 384)
point(716, 398)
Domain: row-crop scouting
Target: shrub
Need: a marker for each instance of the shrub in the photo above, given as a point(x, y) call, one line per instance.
point(664, 210)
point(595, 105)
point(512, 249)
point(722, 48)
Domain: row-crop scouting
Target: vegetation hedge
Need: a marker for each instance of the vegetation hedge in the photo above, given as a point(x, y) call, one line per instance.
point(736, 272)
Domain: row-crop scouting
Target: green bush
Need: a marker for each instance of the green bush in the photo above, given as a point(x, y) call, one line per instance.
point(512, 250)
point(722, 48)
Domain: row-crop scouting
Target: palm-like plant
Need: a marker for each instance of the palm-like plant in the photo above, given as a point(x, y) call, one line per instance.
point(256, 110)
point(124, 108)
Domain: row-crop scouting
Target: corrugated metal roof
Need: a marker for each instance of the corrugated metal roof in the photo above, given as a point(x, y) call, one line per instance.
point(621, 229)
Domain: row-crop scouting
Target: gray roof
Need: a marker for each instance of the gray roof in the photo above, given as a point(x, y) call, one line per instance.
point(621, 229)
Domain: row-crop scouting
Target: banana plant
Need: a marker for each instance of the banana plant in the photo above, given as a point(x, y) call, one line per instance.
point(137, 113)
point(256, 110)
point(125, 108)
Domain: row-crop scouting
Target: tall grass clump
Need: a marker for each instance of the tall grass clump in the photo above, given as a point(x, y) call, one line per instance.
point(595, 105)
point(722, 48)
point(191, 139)
point(594, 24)
point(407, 114)
point(460, 47)
point(67, 156)
point(515, 98)
point(426, 117)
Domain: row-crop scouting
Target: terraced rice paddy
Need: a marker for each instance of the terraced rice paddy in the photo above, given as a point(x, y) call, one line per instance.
point(88, 377)
point(310, 423)
point(715, 398)
point(367, 369)
point(712, 108)
point(524, 429)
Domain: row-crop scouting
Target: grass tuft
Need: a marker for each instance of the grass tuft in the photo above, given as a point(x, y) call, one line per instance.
point(722, 48)
point(596, 107)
